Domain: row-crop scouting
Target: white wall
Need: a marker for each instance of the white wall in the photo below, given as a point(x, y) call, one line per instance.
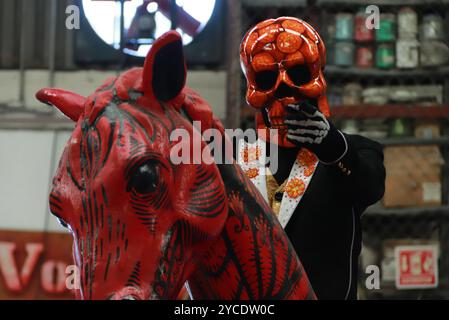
point(27, 163)
point(210, 84)
point(212, 87)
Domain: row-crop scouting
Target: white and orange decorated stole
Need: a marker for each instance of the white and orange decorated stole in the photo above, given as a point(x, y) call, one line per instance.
point(251, 158)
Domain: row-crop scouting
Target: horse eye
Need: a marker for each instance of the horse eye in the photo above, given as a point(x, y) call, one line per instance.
point(145, 178)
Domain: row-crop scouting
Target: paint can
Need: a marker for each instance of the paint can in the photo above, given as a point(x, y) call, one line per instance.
point(350, 126)
point(407, 23)
point(362, 33)
point(344, 54)
point(387, 28)
point(433, 53)
point(344, 26)
point(352, 94)
point(407, 54)
point(385, 56)
point(334, 95)
point(364, 56)
point(432, 27)
point(400, 128)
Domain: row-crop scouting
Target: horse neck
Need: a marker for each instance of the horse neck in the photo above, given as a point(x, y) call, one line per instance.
point(252, 258)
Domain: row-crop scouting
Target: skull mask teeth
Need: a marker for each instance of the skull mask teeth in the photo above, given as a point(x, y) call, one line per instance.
point(283, 60)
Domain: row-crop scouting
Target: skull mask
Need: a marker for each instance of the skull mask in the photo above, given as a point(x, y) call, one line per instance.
point(283, 60)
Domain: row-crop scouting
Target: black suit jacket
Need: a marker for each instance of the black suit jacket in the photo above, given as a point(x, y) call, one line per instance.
point(325, 227)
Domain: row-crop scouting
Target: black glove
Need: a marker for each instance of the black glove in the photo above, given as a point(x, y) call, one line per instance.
point(308, 127)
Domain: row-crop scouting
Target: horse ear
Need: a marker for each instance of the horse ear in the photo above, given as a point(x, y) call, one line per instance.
point(164, 71)
point(69, 103)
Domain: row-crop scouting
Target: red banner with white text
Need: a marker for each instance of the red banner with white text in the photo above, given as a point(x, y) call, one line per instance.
point(35, 265)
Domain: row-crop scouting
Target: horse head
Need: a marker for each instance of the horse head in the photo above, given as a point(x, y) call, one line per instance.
point(139, 222)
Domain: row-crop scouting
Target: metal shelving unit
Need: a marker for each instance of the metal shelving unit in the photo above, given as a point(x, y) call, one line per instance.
point(410, 141)
point(433, 210)
point(335, 71)
point(378, 222)
point(391, 111)
point(425, 222)
point(383, 2)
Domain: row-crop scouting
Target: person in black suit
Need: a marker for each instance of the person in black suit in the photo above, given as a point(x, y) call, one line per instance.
point(325, 226)
point(325, 179)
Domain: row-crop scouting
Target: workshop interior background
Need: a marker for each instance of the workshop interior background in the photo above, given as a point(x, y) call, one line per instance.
point(390, 84)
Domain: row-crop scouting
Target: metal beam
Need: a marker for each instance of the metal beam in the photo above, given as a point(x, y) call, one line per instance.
point(274, 3)
point(52, 42)
point(234, 76)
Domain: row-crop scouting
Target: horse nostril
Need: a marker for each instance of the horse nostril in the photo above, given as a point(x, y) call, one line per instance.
point(129, 293)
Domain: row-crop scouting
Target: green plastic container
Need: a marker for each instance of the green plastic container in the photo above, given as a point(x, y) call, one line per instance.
point(385, 56)
point(387, 28)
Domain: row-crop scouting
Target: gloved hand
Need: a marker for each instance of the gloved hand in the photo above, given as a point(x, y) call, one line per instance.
point(308, 127)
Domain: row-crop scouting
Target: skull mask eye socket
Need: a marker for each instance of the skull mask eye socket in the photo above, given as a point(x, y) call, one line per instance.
point(299, 74)
point(266, 80)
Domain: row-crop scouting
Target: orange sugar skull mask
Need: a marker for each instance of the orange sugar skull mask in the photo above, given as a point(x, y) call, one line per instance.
point(283, 60)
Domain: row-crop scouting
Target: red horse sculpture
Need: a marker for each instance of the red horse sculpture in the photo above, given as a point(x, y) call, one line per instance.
point(143, 226)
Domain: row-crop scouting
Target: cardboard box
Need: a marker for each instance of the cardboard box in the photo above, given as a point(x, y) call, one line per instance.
point(427, 130)
point(413, 176)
